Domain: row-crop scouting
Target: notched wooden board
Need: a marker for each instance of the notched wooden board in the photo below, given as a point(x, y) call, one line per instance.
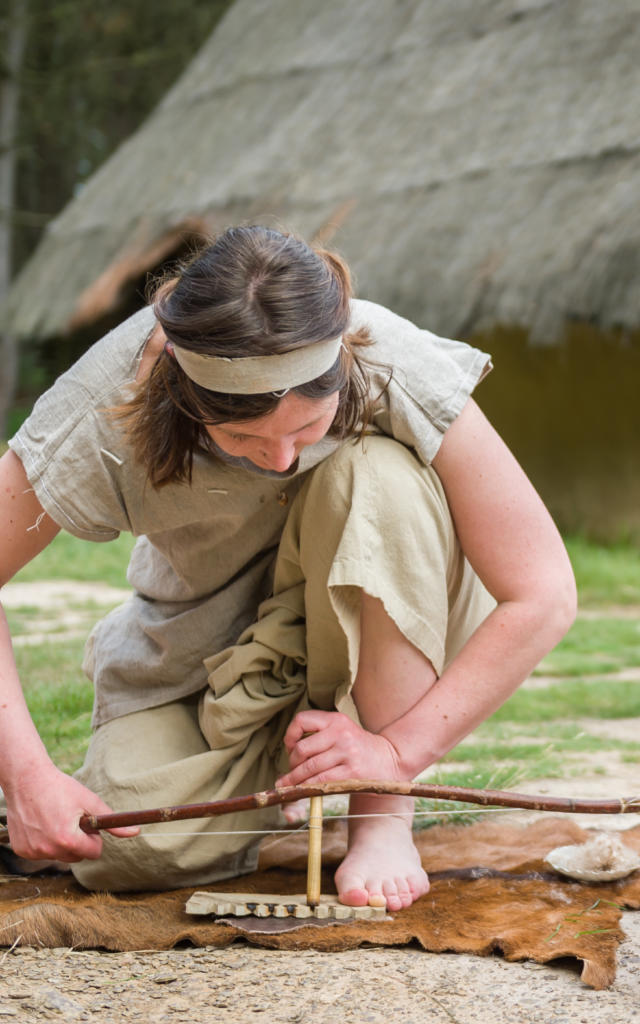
point(256, 904)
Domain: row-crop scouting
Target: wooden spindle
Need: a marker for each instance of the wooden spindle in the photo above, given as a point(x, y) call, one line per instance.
point(314, 859)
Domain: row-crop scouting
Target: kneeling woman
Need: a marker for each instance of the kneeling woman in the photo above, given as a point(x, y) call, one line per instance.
point(340, 569)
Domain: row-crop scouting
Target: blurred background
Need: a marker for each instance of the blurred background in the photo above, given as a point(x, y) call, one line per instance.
point(476, 161)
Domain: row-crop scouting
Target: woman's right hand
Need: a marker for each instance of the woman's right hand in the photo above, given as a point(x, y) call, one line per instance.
point(44, 806)
point(43, 816)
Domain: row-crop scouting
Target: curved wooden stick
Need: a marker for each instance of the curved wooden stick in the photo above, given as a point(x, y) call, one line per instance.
point(288, 794)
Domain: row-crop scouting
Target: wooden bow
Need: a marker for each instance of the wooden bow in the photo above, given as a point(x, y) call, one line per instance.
point(288, 794)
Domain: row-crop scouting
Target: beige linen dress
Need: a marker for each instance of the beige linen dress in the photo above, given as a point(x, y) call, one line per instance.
point(247, 587)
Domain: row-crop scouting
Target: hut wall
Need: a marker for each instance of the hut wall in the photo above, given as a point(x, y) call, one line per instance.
point(570, 413)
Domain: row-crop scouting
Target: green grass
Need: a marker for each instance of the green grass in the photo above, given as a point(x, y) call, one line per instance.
point(79, 617)
point(533, 735)
point(59, 697)
point(595, 646)
point(21, 620)
point(436, 812)
point(68, 558)
point(595, 698)
point(605, 575)
point(563, 735)
point(58, 694)
point(63, 715)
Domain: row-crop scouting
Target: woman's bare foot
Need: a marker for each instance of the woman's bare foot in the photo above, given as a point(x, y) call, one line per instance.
point(296, 812)
point(382, 863)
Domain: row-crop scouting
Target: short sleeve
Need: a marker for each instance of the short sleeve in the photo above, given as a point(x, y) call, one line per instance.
point(69, 445)
point(72, 482)
point(420, 382)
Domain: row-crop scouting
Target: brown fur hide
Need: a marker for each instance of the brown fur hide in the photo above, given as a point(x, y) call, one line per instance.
point(490, 893)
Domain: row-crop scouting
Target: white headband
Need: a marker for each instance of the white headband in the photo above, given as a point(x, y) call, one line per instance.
point(259, 375)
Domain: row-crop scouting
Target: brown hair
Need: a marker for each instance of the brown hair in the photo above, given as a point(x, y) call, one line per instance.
point(253, 291)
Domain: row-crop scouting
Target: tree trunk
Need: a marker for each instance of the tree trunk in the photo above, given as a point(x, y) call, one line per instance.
point(14, 32)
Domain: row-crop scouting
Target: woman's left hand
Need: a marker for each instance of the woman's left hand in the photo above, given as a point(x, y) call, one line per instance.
point(327, 746)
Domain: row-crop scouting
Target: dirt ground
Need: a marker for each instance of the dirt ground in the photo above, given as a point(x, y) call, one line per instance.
point(245, 983)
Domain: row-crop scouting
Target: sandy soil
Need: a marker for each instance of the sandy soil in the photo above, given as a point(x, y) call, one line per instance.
point(367, 985)
point(244, 983)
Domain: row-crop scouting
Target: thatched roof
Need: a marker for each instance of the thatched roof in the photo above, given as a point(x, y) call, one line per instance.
point(477, 161)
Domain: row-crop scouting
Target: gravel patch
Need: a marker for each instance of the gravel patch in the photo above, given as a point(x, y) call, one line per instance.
point(244, 983)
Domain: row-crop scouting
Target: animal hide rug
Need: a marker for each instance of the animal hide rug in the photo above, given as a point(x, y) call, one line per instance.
point(491, 892)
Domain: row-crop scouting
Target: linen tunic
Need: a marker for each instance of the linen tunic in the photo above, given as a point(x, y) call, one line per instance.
point(205, 551)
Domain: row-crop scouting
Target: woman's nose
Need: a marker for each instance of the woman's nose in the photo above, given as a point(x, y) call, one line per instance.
point(280, 455)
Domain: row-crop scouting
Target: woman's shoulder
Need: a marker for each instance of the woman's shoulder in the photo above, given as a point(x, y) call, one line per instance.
point(65, 444)
point(99, 379)
point(113, 361)
point(401, 337)
point(411, 350)
point(431, 379)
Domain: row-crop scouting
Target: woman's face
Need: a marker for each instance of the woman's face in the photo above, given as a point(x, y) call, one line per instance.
point(275, 441)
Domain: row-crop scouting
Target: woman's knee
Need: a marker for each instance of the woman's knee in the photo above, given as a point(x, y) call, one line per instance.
point(165, 859)
point(373, 501)
point(376, 473)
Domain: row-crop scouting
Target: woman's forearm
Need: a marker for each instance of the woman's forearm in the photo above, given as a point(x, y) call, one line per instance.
point(496, 659)
point(44, 805)
point(22, 749)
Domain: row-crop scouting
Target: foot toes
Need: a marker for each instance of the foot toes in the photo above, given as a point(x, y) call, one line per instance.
point(418, 885)
point(356, 896)
point(395, 893)
point(391, 894)
point(376, 899)
point(359, 892)
point(404, 894)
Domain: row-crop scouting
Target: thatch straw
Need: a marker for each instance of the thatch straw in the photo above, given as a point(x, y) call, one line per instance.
point(477, 161)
